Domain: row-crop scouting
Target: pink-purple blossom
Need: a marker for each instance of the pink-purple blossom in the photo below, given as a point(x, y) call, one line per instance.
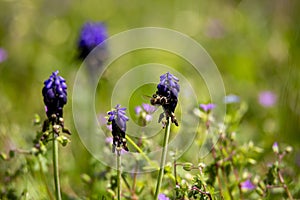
point(247, 185)
point(162, 196)
point(267, 98)
point(3, 55)
point(207, 107)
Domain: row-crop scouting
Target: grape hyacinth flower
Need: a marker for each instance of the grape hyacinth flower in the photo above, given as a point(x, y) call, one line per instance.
point(117, 117)
point(167, 95)
point(55, 95)
point(92, 34)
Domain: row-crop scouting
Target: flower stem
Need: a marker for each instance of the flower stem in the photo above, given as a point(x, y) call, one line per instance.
point(119, 173)
point(55, 167)
point(163, 157)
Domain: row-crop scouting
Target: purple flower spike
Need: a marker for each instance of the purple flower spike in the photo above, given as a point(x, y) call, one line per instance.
point(92, 34)
point(207, 107)
point(55, 95)
point(267, 99)
point(162, 196)
point(3, 55)
point(117, 118)
point(167, 95)
point(247, 185)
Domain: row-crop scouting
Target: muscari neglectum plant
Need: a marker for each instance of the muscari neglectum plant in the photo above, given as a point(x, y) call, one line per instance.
point(166, 96)
point(55, 97)
point(117, 118)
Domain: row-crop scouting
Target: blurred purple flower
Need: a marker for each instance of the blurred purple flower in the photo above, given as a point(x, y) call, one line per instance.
point(3, 55)
point(162, 196)
point(267, 98)
point(149, 109)
point(145, 111)
point(138, 110)
point(207, 107)
point(247, 185)
point(275, 147)
point(109, 140)
point(92, 34)
point(231, 98)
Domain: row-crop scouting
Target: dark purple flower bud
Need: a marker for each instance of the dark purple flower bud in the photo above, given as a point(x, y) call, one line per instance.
point(55, 95)
point(92, 34)
point(117, 118)
point(247, 185)
point(207, 107)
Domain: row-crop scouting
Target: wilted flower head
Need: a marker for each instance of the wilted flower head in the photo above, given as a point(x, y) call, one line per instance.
point(92, 34)
point(162, 196)
point(207, 107)
point(267, 98)
point(247, 185)
point(117, 117)
point(55, 95)
point(167, 95)
point(3, 55)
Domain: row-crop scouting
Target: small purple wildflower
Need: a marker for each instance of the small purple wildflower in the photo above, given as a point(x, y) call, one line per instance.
point(138, 110)
point(117, 118)
point(162, 196)
point(149, 109)
point(207, 107)
point(267, 98)
point(3, 55)
point(275, 147)
point(145, 112)
point(92, 34)
point(55, 95)
point(247, 185)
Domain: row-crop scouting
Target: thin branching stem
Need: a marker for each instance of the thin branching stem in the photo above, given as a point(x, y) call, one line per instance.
point(163, 157)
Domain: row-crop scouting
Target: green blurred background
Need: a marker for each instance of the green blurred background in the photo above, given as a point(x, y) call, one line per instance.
point(254, 43)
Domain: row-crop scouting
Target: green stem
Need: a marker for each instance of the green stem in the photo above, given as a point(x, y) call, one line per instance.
point(119, 173)
point(163, 157)
point(55, 167)
point(139, 149)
